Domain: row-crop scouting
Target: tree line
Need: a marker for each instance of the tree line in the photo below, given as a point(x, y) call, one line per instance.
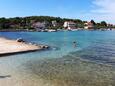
point(26, 22)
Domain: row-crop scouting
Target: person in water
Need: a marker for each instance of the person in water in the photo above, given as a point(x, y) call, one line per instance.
point(74, 44)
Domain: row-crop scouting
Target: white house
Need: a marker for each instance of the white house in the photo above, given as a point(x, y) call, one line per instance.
point(89, 25)
point(54, 23)
point(69, 25)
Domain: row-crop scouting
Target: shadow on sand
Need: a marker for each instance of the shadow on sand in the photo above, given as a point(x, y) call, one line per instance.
point(7, 76)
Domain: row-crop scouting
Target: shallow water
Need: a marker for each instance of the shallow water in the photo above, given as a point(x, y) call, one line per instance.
point(91, 63)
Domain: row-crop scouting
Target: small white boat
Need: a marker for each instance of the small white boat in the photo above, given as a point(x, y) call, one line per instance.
point(52, 30)
point(74, 29)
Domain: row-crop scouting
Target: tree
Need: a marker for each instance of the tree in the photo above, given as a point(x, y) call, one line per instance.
point(26, 22)
point(93, 22)
point(103, 24)
point(4, 23)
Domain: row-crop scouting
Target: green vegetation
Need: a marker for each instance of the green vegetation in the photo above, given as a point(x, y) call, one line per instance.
point(24, 23)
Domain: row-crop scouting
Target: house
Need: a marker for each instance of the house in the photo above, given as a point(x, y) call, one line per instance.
point(69, 25)
point(88, 25)
point(54, 23)
point(39, 26)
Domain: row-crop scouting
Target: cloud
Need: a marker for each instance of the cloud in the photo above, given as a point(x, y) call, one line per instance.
point(103, 10)
point(104, 6)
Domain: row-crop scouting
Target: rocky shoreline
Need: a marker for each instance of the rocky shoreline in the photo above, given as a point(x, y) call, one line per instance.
point(10, 47)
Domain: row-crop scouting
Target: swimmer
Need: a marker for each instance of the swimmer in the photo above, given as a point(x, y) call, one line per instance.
point(75, 44)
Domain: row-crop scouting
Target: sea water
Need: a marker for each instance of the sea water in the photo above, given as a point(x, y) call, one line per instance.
point(91, 46)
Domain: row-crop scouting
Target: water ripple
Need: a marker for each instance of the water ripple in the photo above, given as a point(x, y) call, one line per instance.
point(98, 52)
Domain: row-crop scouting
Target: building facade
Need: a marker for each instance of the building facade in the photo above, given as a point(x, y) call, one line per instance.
point(69, 25)
point(54, 23)
point(88, 25)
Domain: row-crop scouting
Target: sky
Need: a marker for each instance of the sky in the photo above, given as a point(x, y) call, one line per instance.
point(98, 10)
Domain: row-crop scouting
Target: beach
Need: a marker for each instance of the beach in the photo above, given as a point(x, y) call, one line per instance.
point(91, 63)
point(8, 46)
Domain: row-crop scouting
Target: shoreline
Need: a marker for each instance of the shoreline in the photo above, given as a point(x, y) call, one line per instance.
point(11, 47)
point(51, 30)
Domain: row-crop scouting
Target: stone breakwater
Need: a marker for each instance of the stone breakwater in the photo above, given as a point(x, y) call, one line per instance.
point(8, 47)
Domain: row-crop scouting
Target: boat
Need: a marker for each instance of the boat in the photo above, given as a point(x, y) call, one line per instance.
point(51, 30)
point(74, 29)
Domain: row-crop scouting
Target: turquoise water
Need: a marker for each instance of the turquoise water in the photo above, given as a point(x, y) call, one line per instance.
point(61, 43)
point(92, 46)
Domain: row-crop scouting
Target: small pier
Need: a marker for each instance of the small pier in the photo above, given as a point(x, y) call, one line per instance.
point(10, 47)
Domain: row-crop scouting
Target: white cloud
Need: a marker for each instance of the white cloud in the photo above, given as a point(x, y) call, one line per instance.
point(104, 6)
point(103, 10)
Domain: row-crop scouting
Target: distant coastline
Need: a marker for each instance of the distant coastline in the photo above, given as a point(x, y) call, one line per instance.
point(51, 30)
point(41, 23)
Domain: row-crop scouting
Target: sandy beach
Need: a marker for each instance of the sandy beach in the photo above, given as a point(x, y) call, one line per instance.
point(12, 46)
